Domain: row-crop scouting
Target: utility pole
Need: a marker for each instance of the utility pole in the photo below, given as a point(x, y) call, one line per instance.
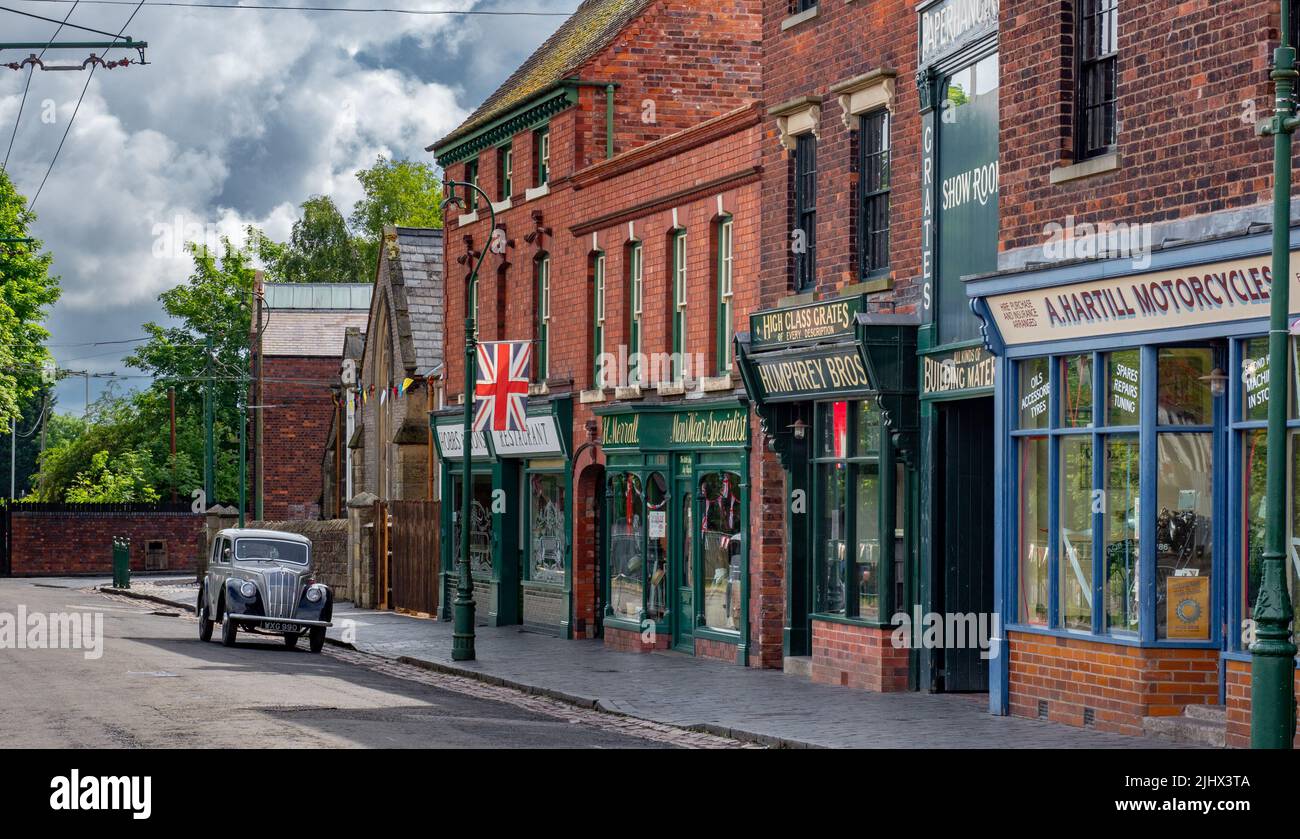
point(13, 457)
point(171, 410)
point(209, 442)
point(1272, 655)
point(243, 456)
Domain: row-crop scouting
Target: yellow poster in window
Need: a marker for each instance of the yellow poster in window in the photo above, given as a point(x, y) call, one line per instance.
point(1188, 604)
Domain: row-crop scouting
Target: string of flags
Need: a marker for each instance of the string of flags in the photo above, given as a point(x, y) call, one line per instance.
point(366, 395)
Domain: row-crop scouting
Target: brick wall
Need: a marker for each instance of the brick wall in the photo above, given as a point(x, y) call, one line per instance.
point(55, 544)
point(329, 550)
point(1187, 70)
point(1121, 684)
point(858, 657)
point(716, 650)
point(628, 641)
point(294, 433)
point(1238, 696)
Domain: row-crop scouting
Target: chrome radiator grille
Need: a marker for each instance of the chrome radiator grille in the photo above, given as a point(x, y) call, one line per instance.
point(281, 594)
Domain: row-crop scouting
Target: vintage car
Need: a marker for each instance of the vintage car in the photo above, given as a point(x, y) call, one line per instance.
point(261, 581)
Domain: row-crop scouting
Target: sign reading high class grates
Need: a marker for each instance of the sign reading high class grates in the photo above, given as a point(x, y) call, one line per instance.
point(828, 320)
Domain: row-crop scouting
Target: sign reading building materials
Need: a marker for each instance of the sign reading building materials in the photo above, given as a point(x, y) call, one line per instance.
point(965, 369)
point(540, 437)
point(949, 25)
point(1232, 290)
point(828, 320)
point(647, 430)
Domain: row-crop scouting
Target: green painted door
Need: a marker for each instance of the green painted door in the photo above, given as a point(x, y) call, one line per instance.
point(684, 566)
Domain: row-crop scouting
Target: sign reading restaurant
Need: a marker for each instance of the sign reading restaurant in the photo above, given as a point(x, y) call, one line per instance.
point(540, 436)
point(1231, 290)
point(675, 429)
point(948, 25)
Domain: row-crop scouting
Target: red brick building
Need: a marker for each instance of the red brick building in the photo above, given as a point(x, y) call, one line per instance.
point(622, 164)
point(295, 362)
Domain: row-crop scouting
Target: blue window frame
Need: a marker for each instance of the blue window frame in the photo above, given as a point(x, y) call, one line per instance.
point(1097, 437)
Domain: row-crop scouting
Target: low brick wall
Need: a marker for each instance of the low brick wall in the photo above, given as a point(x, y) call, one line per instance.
point(1119, 684)
point(1238, 695)
point(329, 548)
point(717, 650)
point(861, 657)
point(629, 641)
point(72, 542)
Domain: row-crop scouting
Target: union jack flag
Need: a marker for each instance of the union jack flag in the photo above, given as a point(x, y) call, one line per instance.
point(501, 386)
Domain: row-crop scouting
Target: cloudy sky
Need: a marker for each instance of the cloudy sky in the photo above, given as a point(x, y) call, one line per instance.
point(240, 115)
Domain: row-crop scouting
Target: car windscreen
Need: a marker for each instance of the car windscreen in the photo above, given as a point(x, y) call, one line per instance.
point(272, 549)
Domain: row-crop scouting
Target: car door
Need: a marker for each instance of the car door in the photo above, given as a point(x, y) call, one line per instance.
point(218, 570)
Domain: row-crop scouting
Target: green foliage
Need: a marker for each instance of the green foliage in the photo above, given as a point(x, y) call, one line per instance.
point(320, 249)
point(123, 480)
point(26, 291)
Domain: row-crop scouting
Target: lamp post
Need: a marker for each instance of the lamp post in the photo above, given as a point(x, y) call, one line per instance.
point(1272, 665)
point(462, 633)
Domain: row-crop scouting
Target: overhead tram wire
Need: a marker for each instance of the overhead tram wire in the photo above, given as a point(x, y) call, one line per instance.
point(31, 205)
point(270, 7)
point(28, 84)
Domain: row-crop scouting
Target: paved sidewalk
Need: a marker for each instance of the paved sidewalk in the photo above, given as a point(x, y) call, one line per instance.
point(747, 703)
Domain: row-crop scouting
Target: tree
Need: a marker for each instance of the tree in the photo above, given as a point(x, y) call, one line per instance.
point(402, 192)
point(26, 291)
point(320, 249)
point(35, 411)
point(123, 481)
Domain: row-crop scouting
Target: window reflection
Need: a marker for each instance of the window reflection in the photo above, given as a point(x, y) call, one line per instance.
point(626, 533)
point(1184, 535)
point(657, 545)
point(721, 547)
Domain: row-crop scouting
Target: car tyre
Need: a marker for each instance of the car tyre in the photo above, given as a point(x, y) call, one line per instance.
point(228, 632)
point(291, 639)
point(317, 638)
point(205, 622)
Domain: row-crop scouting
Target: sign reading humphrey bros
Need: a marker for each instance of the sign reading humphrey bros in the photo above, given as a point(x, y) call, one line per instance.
point(675, 429)
point(1236, 289)
point(949, 25)
point(806, 374)
point(827, 320)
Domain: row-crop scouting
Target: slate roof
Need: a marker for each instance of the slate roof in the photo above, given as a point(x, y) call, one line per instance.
point(591, 27)
point(299, 332)
point(413, 256)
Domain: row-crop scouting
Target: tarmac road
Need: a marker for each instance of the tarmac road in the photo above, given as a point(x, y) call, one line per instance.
point(157, 686)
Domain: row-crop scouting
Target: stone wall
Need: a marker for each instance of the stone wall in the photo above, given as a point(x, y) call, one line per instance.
point(329, 548)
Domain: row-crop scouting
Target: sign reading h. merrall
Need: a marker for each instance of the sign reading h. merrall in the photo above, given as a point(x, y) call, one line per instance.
point(1232, 290)
point(705, 428)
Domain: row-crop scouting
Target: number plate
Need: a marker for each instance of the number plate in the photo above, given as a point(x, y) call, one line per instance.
point(280, 627)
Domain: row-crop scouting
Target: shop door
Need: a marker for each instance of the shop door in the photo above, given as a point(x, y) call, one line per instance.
point(965, 545)
point(684, 571)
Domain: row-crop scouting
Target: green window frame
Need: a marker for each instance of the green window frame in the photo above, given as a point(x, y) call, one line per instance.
point(725, 295)
point(635, 310)
point(542, 155)
point(597, 318)
point(680, 295)
point(505, 173)
point(541, 364)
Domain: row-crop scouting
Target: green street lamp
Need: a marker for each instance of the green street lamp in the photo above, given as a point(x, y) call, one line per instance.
point(1272, 662)
point(462, 633)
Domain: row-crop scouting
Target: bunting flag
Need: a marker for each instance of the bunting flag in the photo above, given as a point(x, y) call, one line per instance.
point(406, 384)
point(501, 392)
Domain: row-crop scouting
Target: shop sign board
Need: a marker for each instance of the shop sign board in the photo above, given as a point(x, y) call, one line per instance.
point(1231, 290)
point(949, 25)
point(451, 441)
point(700, 429)
point(811, 373)
point(540, 438)
point(969, 368)
point(823, 321)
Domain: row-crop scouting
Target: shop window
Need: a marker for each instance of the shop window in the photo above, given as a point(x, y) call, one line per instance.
point(480, 529)
point(598, 319)
point(1076, 397)
point(1123, 387)
point(1075, 493)
point(546, 529)
point(656, 501)
point(1123, 534)
point(626, 546)
point(873, 204)
point(803, 239)
point(1097, 95)
point(721, 525)
point(1034, 549)
point(850, 553)
point(1184, 535)
point(726, 301)
point(1035, 394)
point(1184, 398)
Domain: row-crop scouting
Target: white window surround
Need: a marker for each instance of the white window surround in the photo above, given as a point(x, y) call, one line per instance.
point(799, 116)
point(537, 191)
point(466, 218)
point(501, 206)
point(864, 93)
point(798, 18)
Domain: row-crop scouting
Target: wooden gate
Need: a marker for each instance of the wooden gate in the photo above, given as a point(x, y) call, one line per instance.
point(413, 548)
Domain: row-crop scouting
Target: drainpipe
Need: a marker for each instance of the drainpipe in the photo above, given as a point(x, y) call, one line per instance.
point(609, 121)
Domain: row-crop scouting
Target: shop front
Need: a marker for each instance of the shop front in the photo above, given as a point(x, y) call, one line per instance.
point(675, 530)
point(1130, 463)
point(958, 82)
point(521, 518)
point(835, 390)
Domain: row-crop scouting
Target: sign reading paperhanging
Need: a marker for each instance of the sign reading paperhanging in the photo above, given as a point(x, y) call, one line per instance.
point(1188, 608)
point(949, 25)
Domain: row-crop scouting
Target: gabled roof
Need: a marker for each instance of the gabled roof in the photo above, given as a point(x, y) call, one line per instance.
point(412, 257)
point(591, 27)
point(305, 332)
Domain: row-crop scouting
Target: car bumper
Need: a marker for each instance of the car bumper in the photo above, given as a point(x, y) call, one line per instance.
point(260, 619)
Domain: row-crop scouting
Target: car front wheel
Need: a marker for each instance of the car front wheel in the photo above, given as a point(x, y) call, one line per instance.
point(228, 631)
point(291, 640)
point(205, 622)
point(317, 638)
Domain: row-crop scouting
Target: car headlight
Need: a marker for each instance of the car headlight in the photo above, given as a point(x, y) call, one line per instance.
point(315, 594)
point(248, 589)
